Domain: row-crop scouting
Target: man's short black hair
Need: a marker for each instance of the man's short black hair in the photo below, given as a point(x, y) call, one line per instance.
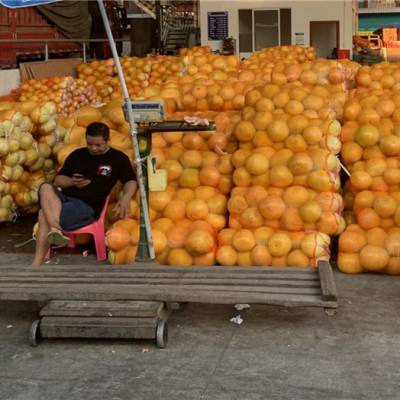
point(96, 129)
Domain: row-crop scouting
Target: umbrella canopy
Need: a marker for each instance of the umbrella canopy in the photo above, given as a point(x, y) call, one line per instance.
point(25, 3)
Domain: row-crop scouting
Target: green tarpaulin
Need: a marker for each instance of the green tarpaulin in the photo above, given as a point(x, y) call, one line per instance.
point(70, 17)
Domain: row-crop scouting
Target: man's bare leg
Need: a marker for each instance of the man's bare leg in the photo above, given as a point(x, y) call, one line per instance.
point(41, 241)
point(50, 205)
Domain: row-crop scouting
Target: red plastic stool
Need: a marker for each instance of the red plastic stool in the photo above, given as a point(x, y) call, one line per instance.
point(96, 229)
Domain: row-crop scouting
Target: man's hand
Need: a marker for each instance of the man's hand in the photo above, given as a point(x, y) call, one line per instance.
point(124, 204)
point(124, 207)
point(80, 181)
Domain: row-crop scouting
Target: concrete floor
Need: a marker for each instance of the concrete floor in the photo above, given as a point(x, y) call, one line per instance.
point(276, 353)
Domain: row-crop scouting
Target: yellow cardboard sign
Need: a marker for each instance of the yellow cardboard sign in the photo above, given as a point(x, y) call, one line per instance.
point(157, 177)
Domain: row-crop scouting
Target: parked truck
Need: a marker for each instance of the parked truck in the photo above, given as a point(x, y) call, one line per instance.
point(28, 24)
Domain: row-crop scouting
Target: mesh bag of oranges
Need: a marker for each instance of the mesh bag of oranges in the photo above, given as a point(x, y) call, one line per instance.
point(221, 92)
point(288, 116)
point(379, 76)
point(206, 63)
point(265, 246)
point(286, 177)
point(102, 75)
point(371, 243)
point(287, 136)
point(294, 208)
point(303, 68)
point(377, 209)
point(196, 243)
point(331, 79)
point(369, 250)
point(280, 54)
point(371, 144)
point(184, 242)
point(371, 149)
point(164, 68)
point(67, 93)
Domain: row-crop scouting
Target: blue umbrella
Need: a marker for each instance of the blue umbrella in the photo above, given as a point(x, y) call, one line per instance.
point(25, 3)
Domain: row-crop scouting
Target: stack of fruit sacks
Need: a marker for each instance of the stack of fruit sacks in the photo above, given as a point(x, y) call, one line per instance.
point(28, 133)
point(279, 54)
point(138, 72)
point(164, 68)
point(67, 93)
point(209, 64)
point(99, 74)
point(286, 175)
point(222, 92)
point(330, 79)
point(371, 151)
point(379, 76)
point(193, 51)
point(104, 78)
point(188, 215)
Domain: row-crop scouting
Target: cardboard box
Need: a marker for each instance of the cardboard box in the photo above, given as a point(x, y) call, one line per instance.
point(47, 69)
point(389, 34)
point(392, 54)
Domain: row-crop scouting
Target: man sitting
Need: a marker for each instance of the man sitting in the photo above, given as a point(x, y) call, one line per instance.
point(80, 189)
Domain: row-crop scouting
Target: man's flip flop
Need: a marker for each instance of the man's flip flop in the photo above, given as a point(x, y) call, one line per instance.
point(56, 238)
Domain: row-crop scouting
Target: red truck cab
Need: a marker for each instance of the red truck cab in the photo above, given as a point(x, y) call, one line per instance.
point(27, 23)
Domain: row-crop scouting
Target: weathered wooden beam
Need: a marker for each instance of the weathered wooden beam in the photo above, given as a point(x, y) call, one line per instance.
point(328, 286)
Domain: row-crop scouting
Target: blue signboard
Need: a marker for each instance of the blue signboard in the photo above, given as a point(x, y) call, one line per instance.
point(25, 3)
point(217, 25)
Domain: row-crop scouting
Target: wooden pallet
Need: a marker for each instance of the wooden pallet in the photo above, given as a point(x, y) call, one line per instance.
point(288, 286)
point(102, 319)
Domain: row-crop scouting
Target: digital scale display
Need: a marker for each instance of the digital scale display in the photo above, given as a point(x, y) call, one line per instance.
point(148, 111)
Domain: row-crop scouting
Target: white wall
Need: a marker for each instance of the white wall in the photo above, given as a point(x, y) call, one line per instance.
point(302, 13)
point(9, 80)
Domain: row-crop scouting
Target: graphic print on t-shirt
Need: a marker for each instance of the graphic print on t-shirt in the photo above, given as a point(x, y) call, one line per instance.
point(104, 170)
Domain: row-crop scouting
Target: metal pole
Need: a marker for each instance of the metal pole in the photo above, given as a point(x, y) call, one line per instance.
point(128, 108)
point(84, 52)
point(46, 51)
point(158, 26)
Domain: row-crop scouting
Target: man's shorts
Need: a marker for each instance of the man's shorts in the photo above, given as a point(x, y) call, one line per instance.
point(75, 213)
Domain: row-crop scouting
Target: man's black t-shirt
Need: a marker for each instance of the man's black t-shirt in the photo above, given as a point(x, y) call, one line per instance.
point(102, 170)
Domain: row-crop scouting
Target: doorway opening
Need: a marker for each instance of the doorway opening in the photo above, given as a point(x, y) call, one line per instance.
point(324, 37)
point(261, 28)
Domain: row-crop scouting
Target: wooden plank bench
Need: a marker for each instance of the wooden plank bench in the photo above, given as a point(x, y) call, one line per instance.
point(288, 286)
point(132, 301)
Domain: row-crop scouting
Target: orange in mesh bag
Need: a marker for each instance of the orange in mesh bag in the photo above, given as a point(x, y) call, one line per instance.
point(372, 250)
point(377, 209)
point(294, 209)
point(379, 76)
point(317, 169)
point(181, 242)
point(265, 246)
point(221, 91)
